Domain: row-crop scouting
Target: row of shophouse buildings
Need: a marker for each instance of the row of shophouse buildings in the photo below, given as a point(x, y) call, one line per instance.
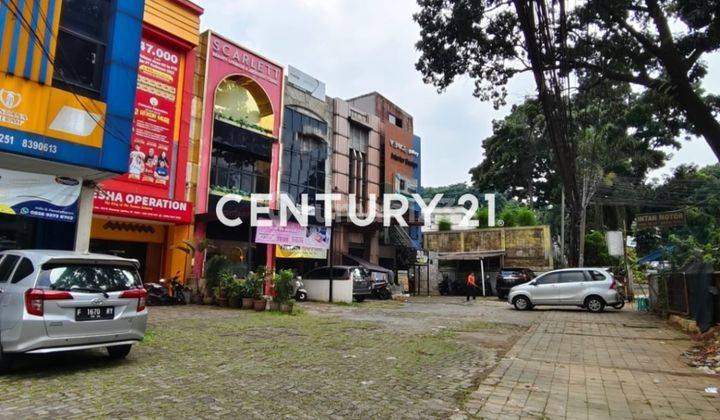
point(121, 127)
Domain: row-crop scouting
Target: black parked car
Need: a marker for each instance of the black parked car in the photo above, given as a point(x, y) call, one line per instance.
point(509, 277)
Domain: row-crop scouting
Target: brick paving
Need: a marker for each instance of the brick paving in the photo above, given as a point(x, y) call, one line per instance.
point(431, 357)
point(577, 365)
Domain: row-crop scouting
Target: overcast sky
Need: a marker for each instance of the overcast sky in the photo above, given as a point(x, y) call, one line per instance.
point(357, 47)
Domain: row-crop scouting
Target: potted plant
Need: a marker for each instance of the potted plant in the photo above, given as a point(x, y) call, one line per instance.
point(254, 284)
point(246, 295)
point(214, 267)
point(191, 248)
point(282, 283)
point(235, 293)
point(222, 291)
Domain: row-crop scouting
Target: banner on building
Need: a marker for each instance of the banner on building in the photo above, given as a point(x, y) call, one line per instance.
point(294, 235)
point(300, 252)
point(41, 196)
point(138, 206)
point(151, 148)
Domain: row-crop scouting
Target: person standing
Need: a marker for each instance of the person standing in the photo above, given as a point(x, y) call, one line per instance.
point(470, 287)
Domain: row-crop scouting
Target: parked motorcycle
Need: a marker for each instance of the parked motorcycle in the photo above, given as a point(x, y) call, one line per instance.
point(299, 291)
point(158, 293)
point(620, 287)
point(381, 290)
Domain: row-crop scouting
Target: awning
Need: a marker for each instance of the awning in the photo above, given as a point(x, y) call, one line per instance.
point(469, 256)
point(367, 264)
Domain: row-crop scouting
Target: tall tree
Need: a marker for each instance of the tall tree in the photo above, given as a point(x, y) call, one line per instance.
point(656, 44)
point(517, 159)
point(493, 40)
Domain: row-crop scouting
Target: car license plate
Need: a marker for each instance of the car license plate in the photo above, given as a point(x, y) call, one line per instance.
point(94, 313)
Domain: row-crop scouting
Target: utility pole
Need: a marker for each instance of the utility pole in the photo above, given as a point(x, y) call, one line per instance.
point(562, 228)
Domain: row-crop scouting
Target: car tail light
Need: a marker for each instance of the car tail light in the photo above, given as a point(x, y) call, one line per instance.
point(35, 298)
point(139, 294)
point(613, 285)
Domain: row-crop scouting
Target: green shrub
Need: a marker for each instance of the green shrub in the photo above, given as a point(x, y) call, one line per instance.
point(516, 215)
point(596, 252)
point(214, 268)
point(282, 283)
point(444, 224)
point(254, 283)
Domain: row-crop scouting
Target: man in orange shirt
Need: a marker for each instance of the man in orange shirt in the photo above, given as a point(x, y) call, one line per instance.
point(470, 287)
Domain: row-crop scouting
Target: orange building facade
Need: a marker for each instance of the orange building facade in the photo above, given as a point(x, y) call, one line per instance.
point(147, 213)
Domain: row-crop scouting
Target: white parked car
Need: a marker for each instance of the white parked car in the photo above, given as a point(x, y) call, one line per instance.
point(591, 288)
point(52, 301)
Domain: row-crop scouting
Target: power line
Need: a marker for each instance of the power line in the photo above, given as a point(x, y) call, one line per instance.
point(18, 15)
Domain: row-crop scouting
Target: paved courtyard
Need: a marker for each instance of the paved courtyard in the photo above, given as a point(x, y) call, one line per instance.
point(430, 357)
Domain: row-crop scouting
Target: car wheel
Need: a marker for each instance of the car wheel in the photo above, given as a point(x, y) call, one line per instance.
point(522, 303)
point(119, 352)
point(302, 296)
point(595, 304)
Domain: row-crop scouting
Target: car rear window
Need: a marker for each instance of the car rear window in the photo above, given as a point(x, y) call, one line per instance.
point(80, 277)
point(24, 269)
point(6, 267)
point(507, 272)
point(596, 275)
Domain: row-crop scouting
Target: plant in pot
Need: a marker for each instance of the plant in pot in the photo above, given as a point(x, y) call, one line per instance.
point(214, 267)
point(235, 292)
point(190, 248)
point(282, 283)
point(254, 284)
point(222, 291)
point(246, 294)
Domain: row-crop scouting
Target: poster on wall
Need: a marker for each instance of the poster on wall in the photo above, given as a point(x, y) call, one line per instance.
point(294, 234)
point(151, 147)
point(37, 195)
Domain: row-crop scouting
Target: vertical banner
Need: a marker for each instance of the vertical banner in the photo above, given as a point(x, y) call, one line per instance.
point(151, 149)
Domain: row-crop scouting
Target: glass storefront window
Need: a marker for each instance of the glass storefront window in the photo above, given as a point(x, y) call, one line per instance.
point(304, 156)
point(238, 172)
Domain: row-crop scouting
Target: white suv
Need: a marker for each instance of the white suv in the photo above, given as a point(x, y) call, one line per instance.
point(53, 301)
point(591, 288)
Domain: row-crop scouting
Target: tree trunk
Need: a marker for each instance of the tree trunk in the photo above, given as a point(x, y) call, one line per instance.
point(692, 105)
point(699, 114)
point(554, 109)
point(581, 234)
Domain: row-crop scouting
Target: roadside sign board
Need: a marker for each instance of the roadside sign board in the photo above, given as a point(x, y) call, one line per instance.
point(615, 243)
point(661, 220)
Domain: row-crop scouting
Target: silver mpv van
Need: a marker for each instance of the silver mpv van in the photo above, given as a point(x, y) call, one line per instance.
point(52, 301)
point(591, 288)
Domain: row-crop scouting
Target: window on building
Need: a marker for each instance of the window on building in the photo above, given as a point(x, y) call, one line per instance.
point(304, 156)
point(81, 46)
point(238, 172)
point(397, 121)
point(359, 137)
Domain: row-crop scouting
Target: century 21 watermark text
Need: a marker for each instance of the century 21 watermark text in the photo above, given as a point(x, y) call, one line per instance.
point(394, 208)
